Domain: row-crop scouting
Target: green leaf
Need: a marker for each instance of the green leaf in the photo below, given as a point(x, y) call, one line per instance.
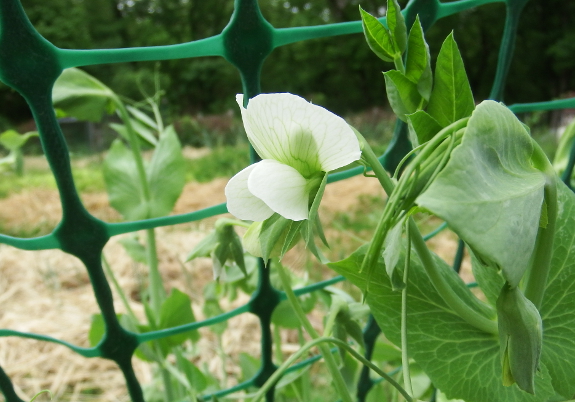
point(425, 83)
point(249, 365)
point(196, 379)
point(489, 280)
point(354, 330)
point(135, 249)
point(489, 193)
point(443, 344)
point(392, 246)
point(219, 258)
point(145, 133)
point(12, 140)
point(385, 352)
point(273, 229)
point(291, 377)
point(97, 329)
point(166, 174)
point(417, 53)
point(396, 24)
point(142, 117)
point(292, 236)
point(418, 63)
point(403, 96)
point(377, 36)
point(451, 98)
point(422, 127)
point(564, 148)
point(313, 218)
point(285, 316)
point(82, 96)
point(176, 310)
point(237, 252)
point(557, 310)
point(211, 309)
point(205, 247)
point(123, 183)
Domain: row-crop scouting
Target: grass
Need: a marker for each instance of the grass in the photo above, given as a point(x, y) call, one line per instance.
point(224, 161)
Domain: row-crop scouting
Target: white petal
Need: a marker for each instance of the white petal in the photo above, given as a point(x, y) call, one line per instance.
point(287, 128)
point(281, 187)
point(243, 204)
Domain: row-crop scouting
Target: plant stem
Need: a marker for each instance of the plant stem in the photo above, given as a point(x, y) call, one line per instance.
point(338, 380)
point(404, 354)
point(398, 62)
point(135, 147)
point(110, 274)
point(443, 288)
point(156, 286)
point(543, 251)
point(316, 342)
point(278, 344)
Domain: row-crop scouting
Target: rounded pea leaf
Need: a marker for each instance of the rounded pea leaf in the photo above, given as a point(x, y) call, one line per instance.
point(461, 360)
point(489, 193)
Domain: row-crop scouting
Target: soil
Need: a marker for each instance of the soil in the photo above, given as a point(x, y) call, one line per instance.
point(49, 292)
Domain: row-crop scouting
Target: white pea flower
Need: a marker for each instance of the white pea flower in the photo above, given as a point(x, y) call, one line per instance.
point(299, 143)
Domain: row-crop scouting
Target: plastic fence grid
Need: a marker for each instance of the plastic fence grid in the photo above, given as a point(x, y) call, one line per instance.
point(30, 65)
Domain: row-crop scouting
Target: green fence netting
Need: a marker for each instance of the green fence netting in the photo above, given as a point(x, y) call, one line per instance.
point(30, 65)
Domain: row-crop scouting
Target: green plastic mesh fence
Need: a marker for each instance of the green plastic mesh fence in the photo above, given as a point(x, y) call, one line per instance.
point(30, 65)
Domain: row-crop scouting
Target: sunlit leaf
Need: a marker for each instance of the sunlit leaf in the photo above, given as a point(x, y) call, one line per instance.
point(489, 193)
point(451, 98)
point(82, 96)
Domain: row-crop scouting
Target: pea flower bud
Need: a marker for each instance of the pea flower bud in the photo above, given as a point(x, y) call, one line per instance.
point(520, 338)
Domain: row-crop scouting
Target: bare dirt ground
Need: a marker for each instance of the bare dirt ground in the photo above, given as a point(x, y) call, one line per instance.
point(48, 292)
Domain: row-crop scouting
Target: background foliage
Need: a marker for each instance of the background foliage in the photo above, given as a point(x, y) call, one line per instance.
point(334, 73)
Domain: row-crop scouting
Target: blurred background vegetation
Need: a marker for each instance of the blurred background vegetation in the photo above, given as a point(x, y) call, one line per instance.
point(340, 73)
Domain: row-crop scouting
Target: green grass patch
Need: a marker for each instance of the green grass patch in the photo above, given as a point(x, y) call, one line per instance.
point(223, 161)
point(87, 179)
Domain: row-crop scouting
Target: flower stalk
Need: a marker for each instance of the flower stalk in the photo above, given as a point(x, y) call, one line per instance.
point(541, 261)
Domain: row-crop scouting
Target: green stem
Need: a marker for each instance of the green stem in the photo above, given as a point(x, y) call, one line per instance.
point(135, 147)
point(157, 293)
point(165, 373)
point(278, 344)
point(443, 288)
point(541, 262)
point(404, 354)
point(156, 285)
point(119, 290)
point(317, 342)
point(338, 380)
point(398, 62)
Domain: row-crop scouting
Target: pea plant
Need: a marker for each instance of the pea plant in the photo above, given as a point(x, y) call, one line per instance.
point(475, 167)
point(141, 189)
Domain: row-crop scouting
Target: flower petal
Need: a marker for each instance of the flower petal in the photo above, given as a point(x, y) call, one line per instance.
point(243, 204)
point(287, 128)
point(281, 187)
